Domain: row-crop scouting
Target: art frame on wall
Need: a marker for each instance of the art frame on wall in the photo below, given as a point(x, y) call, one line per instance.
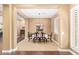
point(39, 27)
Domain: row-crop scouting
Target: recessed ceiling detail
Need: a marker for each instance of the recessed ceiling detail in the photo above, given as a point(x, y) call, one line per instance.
point(39, 13)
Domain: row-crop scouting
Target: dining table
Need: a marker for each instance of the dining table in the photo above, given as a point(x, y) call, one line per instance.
point(39, 36)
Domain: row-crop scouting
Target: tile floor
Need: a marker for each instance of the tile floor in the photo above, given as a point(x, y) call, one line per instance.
point(31, 46)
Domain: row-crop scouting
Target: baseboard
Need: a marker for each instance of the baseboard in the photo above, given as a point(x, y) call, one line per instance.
point(9, 51)
point(75, 50)
point(56, 43)
point(68, 50)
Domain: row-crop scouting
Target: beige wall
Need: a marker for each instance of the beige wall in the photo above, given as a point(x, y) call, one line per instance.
point(64, 16)
point(26, 28)
point(45, 22)
point(20, 24)
point(52, 24)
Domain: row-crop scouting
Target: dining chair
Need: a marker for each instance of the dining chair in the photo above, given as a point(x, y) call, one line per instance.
point(43, 37)
point(50, 36)
point(35, 37)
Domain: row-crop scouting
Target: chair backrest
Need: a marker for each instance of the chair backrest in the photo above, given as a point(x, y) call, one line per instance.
point(50, 35)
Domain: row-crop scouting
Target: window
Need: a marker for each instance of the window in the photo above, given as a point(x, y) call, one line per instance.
point(74, 28)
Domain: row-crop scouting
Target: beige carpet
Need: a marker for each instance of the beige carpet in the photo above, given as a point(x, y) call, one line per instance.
point(30, 46)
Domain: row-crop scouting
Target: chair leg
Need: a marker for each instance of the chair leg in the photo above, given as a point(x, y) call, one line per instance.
point(45, 39)
point(34, 39)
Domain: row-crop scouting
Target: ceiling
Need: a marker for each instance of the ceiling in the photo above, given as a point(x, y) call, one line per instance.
point(38, 13)
point(19, 17)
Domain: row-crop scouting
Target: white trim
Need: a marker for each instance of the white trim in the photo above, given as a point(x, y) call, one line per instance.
point(75, 49)
point(9, 51)
point(67, 50)
point(56, 43)
point(73, 45)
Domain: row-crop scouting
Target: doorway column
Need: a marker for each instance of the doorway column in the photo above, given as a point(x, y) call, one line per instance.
point(64, 26)
point(9, 32)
